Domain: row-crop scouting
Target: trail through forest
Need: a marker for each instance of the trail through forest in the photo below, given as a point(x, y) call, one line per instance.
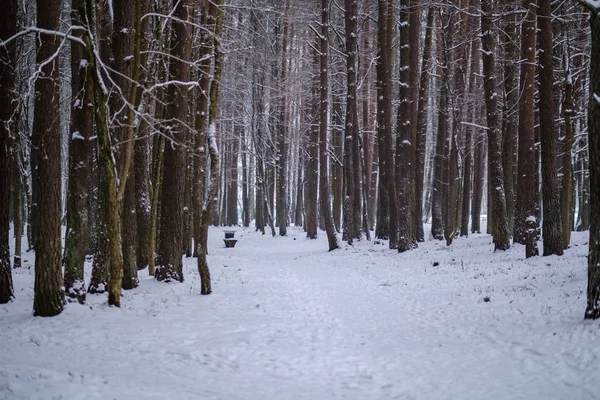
point(288, 320)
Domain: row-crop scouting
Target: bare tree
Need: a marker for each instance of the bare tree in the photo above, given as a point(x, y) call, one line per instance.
point(8, 27)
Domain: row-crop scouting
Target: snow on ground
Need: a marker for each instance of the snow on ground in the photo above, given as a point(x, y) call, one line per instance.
point(288, 320)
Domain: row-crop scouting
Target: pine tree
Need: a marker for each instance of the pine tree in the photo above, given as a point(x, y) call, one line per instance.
point(8, 27)
point(48, 297)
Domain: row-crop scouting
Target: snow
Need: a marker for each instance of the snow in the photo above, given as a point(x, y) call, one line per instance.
point(596, 96)
point(289, 320)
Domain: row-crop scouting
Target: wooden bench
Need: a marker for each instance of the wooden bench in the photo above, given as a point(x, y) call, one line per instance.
point(230, 242)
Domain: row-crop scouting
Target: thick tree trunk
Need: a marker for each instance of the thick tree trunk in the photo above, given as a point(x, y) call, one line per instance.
point(169, 262)
point(552, 224)
point(282, 147)
point(8, 27)
point(82, 120)
point(593, 291)
point(48, 298)
point(500, 231)
point(325, 197)
point(337, 164)
point(312, 163)
point(405, 148)
point(387, 193)
point(525, 205)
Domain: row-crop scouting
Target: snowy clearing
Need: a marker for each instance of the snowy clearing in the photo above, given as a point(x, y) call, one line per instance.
point(288, 320)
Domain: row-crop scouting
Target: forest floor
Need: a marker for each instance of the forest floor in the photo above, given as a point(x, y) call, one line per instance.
point(288, 320)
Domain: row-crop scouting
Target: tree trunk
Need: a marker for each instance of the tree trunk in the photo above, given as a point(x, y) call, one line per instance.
point(325, 197)
point(169, 262)
point(282, 148)
point(421, 128)
point(8, 27)
point(17, 181)
point(500, 232)
point(552, 224)
point(567, 192)
point(525, 206)
point(48, 298)
point(405, 149)
point(337, 165)
point(593, 291)
point(384, 110)
point(438, 202)
point(82, 120)
point(215, 19)
point(509, 115)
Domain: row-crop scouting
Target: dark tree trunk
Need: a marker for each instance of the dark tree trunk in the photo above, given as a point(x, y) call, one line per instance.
point(387, 193)
point(312, 163)
point(337, 136)
point(500, 232)
point(405, 148)
point(552, 224)
point(8, 27)
point(48, 298)
point(82, 119)
point(169, 263)
point(325, 197)
point(525, 206)
point(593, 292)
point(282, 147)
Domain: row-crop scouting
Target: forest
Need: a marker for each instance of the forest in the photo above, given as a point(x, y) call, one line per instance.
point(132, 133)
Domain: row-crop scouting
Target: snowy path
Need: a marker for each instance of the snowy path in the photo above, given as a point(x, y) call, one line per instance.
point(287, 320)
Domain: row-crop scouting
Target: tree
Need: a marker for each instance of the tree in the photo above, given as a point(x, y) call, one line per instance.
point(215, 22)
point(48, 297)
point(592, 310)
point(169, 263)
point(405, 142)
point(552, 226)
point(282, 148)
point(421, 125)
point(8, 27)
point(526, 203)
point(325, 196)
point(500, 230)
point(82, 119)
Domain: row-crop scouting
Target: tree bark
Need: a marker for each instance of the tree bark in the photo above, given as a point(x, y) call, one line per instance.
point(567, 200)
point(325, 197)
point(552, 224)
point(525, 206)
point(8, 27)
point(593, 291)
point(48, 298)
point(500, 230)
point(169, 261)
point(82, 120)
point(282, 147)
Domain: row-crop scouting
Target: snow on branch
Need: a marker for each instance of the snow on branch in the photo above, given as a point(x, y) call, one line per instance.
point(35, 29)
point(597, 98)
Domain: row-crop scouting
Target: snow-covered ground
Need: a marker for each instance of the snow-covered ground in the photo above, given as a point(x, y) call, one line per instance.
point(288, 320)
